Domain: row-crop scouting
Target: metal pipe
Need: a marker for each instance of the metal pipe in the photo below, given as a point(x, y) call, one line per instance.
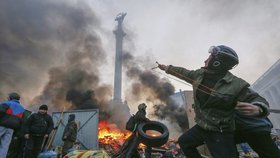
point(274, 110)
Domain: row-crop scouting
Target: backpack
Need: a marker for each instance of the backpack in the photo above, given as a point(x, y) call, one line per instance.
point(10, 121)
point(130, 124)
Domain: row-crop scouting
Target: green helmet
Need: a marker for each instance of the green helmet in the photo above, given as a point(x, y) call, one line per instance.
point(142, 106)
point(14, 96)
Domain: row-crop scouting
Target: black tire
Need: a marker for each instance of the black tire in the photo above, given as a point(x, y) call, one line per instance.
point(153, 141)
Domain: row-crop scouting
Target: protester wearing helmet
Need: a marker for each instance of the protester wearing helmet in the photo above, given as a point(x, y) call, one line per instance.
point(216, 94)
point(129, 148)
point(140, 115)
point(247, 128)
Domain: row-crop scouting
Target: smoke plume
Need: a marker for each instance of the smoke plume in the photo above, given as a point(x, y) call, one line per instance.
point(56, 44)
point(148, 86)
point(51, 53)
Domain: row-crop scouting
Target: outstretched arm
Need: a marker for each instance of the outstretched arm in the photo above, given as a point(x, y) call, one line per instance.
point(179, 72)
point(162, 67)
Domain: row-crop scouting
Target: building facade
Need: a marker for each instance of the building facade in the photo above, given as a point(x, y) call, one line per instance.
point(268, 86)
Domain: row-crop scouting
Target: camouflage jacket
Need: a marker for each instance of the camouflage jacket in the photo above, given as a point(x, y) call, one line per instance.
point(217, 113)
point(70, 131)
point(140, 117)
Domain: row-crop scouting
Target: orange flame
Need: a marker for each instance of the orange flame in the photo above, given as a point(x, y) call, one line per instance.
point(109, 133)
point(153, 133)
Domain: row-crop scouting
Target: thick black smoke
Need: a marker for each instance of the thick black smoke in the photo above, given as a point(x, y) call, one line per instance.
point(146, 83)
point(173, 113)
point(56, 44)
point(36, 36)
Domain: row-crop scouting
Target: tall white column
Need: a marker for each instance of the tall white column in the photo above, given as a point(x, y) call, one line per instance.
point(119, 34)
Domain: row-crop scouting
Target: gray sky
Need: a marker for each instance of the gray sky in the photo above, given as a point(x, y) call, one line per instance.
point(39, 37)
point(179, 32)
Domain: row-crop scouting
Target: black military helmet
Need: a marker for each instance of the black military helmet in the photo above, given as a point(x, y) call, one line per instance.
point(142, 106)
point(223, 57)
point(14, 96)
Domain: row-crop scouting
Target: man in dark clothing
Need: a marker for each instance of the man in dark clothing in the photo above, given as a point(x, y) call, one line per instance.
point(140, 115)
point(129, 148)
point(69, 134)
point(216, 94)
point(37, 129)
point(11, 112)
point(16, 148)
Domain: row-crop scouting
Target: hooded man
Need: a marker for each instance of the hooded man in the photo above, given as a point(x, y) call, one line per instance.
point(216, 94)
point(37, 129)
point(11, 112)
point(69, 135)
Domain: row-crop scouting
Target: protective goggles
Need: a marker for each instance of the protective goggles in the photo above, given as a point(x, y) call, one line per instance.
point(214, 50)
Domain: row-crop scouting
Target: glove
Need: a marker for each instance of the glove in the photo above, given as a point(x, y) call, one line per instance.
point(162, 67)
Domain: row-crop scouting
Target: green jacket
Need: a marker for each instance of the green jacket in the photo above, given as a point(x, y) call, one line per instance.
point(70, 131)
point(218, 113)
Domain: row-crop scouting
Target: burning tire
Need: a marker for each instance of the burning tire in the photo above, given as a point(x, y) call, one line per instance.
point(153, 140)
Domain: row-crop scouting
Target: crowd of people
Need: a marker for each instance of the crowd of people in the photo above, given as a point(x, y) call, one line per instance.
point(24, 134)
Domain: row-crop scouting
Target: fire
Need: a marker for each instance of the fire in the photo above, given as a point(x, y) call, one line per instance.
point(153, 133)
point(142, 146)
point(110, 133)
